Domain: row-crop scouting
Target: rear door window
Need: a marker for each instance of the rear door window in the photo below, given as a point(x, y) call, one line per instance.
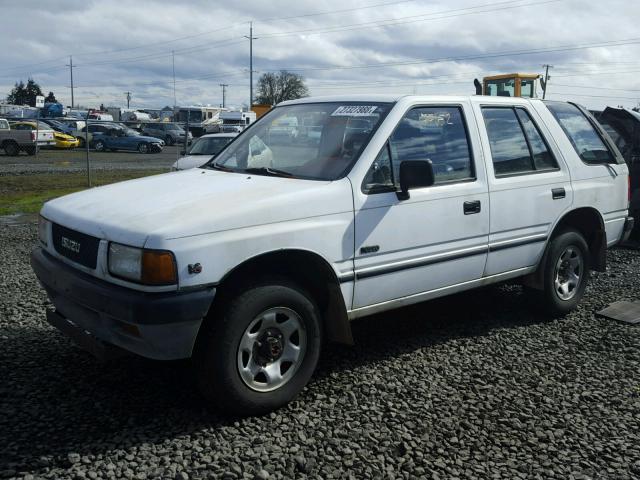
point(517, 146)
point(587, 142)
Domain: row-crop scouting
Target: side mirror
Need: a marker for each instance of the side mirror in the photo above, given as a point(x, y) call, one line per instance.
point(414, 174)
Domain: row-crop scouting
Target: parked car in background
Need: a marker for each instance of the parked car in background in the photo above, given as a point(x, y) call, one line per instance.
point(203, 149)
point(15, 141)
point(117, 138)
point(101, 116)
point(58, 126)
point(44, 132)
point(64, 141)
point(169, 132)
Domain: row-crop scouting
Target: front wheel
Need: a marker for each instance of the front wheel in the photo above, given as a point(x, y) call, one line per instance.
point(143, 148)
point(566, 272)
point(261, 350)
point(168, 140)
point(99, 146)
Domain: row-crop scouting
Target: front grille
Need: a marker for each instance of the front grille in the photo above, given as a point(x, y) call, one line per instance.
point(76, 246)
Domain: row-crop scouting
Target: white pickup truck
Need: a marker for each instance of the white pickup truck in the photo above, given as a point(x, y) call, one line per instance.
point(249, 263)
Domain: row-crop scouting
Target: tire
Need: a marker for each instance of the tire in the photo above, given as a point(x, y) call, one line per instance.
point(11, 148)
point(168, 140)
point(30, 150)
point(565, 274)
point(99, 146)
point(143, 148)
point(247, 335)
point(81, 142)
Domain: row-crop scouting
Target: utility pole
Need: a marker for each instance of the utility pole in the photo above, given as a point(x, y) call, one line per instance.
point(251, 39)
point(173, 67)
point(224, 89)
point(128, 98)
point(545, 82)
point(70, 65)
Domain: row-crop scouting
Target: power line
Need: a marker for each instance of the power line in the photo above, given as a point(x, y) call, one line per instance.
point(413, 18)
point(560, 48)
point(502, 5)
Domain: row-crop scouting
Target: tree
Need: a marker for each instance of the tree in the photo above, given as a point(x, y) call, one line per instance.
point(22, 94)
point(277, 87)
point(51, 98)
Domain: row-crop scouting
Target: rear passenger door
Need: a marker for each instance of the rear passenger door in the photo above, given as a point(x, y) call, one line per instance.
point(437, 237)
point(529, 186)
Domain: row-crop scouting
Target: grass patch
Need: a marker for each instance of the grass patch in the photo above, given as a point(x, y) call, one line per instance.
point(27, 193)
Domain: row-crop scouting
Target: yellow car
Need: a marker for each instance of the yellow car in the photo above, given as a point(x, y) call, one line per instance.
point(65, 141)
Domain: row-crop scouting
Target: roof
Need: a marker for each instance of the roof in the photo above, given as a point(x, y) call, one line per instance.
point(363, 98)
point(511, 75)
point(377, 98)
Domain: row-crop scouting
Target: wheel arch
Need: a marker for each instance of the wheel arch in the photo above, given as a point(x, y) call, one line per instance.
point(589, 222)
point(318, 278)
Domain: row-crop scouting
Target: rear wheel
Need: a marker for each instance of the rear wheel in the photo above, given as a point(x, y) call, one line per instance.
point(261, 350)
point(143, 148)
point(11, 148)
point(566, 272)
point(168, 140)
point(81, 142)
point(30, 150)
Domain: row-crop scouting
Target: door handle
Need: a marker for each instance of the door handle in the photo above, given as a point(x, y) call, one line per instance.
point(558, 193)
point(472, 207)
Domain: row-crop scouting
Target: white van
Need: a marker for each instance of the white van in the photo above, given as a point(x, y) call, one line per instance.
point(247, 265)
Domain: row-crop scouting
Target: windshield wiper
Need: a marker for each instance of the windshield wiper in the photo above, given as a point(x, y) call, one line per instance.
point(215, 166)
point(274, 172)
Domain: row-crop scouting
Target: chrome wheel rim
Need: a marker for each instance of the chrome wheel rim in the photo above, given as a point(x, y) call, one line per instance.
point(99, 146)
point(142, 148)
point(271, 349)
point(568, 273)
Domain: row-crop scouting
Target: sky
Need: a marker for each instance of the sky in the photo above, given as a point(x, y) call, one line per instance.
point(364, 46)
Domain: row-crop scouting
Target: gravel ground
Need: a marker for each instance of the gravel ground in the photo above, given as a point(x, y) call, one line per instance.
point(473, 386)
point(66, 161)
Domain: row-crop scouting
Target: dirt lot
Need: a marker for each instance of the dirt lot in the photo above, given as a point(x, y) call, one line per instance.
point(478, 385)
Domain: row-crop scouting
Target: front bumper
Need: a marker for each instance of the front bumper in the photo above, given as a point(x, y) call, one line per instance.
point(161, 326)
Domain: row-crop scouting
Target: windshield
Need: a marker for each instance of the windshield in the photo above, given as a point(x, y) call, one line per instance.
point(317, 141)
point(209, 145)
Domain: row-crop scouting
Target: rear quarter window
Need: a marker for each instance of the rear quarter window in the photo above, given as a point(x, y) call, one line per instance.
point(585, 139)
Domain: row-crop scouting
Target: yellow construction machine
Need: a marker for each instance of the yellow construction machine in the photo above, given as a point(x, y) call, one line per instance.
point(510, 85)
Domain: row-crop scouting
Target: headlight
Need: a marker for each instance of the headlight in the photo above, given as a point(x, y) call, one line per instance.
point(151, 267)
point(43, 229)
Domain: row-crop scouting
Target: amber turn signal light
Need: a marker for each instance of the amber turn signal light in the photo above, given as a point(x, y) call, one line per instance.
point(158, 268)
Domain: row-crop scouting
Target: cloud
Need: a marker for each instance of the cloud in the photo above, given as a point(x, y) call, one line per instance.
point(121, 46)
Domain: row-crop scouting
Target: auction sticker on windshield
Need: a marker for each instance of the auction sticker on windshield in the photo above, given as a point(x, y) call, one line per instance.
point(354, 111)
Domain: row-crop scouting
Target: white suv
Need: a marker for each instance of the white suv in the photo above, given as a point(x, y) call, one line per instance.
point(249, 263)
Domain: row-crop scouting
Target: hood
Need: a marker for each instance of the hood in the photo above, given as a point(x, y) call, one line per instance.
point(150, 210)
point(191, 161)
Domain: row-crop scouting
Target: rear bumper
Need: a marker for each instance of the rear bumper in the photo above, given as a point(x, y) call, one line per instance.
point(161, 326)
point(628, 227)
